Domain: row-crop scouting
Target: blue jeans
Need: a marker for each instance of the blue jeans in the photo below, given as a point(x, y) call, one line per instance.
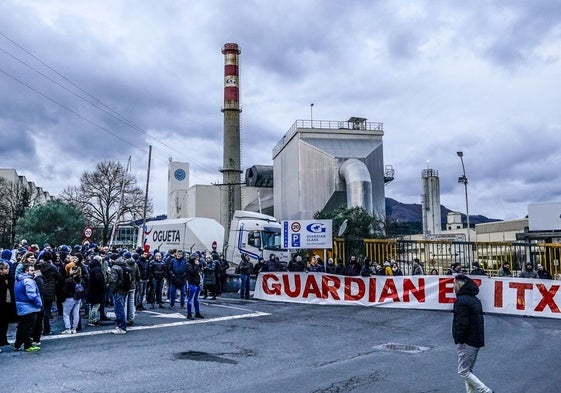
point(141, 287)
point(119, 301)
point(155, 291)
point(130, 306)
point(173, 293)
point(194, 291)
point(244, 287)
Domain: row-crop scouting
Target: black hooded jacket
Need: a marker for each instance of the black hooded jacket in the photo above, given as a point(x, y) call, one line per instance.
point(467, 325)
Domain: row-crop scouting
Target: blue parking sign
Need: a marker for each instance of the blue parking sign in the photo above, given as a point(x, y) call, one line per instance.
point(295, 240)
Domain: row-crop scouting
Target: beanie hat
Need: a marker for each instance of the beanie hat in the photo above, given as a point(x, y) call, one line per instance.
point(114, 256)
point(6, 254)
point(126, 255)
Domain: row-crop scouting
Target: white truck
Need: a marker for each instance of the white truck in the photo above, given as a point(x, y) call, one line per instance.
point(255, 234)
point(190, 234)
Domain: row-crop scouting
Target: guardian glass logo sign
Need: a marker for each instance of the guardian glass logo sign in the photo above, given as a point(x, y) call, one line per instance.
point(306, 234)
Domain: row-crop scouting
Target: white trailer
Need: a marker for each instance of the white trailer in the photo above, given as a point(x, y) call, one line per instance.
point(191, 234)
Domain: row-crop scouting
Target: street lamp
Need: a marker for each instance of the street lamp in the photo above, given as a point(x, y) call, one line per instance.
point(463, 179)
point(312, 115)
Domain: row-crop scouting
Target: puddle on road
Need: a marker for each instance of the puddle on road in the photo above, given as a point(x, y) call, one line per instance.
point(401, 348)
point(203, 357)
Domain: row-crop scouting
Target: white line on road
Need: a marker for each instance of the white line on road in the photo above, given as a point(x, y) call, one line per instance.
point(161, 325)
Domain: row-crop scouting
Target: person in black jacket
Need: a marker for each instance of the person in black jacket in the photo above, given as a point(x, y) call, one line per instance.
point(7, 301)
point(194, 272)
point(96, 291)
point(158, 272)
point(52, 279)
point(245, 268)
point(468, 331)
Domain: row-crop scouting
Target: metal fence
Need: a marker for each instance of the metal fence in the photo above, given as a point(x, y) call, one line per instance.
point(440, 254)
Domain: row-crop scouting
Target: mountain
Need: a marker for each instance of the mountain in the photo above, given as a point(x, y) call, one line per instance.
point(411, 212)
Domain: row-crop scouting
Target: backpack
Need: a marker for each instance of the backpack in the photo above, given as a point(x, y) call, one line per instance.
point(126, 282)
point(79, 292)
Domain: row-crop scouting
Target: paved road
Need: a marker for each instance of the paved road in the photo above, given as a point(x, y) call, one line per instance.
point(256, 346)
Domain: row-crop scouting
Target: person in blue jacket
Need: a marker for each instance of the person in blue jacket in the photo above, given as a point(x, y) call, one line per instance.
point(28, 306)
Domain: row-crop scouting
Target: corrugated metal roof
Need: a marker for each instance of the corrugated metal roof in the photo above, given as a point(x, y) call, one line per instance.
point(344, 148)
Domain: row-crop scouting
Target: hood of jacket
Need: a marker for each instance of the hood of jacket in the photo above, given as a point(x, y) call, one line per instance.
point(470, 288)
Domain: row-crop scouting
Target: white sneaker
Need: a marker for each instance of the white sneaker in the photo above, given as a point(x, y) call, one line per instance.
point(118, 330)
point(73, 331)
point(36, 343)
point(67, 331)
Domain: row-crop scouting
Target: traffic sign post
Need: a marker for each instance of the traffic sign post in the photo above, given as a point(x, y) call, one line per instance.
point(308, 234)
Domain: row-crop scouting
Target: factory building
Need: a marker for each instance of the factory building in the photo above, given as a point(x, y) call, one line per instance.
point(320, 165)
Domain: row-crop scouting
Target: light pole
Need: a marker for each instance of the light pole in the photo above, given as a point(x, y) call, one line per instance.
point(463, 179)
point(312, 115)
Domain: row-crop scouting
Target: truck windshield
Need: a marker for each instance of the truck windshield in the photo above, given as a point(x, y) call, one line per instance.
point(271, 239)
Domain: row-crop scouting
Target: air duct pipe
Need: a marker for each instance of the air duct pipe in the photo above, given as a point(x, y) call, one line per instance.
point(359, 185)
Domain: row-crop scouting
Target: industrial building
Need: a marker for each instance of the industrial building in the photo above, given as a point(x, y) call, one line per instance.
point(38, 196)
point(320, 165)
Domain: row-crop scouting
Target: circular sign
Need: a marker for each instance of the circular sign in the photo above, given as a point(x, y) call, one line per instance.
point(179, 174)
point(295, 226)
point(88, 232)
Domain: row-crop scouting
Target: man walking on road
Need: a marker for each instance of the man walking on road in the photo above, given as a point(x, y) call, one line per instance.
point(468, 331)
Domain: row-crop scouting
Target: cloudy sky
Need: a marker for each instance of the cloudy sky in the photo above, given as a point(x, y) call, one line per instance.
point(82, 82)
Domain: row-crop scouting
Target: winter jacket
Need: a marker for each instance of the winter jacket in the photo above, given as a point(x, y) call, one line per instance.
point(210, 273)
point(158, 269)
point(131, 264)
point(528, 273)
point(144, 271)
point(28, 299)
point(116, 277)
point(70, 287)
point(353, 268)
point(96, 291)
point(193, 273)
point(178, 271)
point(246, 267)
point(317, 268)
point(52, 279)
point(467, 325)
point(340, 269)
point(7, 299)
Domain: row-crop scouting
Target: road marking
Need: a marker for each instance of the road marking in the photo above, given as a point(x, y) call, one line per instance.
point(158, 326)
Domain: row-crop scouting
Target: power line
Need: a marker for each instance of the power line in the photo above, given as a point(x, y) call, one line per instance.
point(113, 113)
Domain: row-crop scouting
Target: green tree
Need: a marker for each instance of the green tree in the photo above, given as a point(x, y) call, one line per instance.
point(107, 196)
point(359, 226)
point(55, 223)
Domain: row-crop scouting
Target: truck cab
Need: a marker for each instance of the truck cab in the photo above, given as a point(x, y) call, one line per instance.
point(255, 234)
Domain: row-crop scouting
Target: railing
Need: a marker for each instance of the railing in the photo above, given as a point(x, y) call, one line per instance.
point(326, 125)
point(439, 255)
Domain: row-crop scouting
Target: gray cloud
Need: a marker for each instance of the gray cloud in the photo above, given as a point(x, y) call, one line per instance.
point(441, 76)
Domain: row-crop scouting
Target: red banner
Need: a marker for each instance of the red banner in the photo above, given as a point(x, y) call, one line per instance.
point(517, 296)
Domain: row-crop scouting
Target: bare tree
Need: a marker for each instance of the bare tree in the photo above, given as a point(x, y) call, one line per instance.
point(106, 196)
point(15, 199)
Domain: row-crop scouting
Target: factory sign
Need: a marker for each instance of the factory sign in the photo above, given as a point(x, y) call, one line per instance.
point(306, 234)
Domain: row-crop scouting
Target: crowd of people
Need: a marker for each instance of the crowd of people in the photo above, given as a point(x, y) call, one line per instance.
point(37, 282)
point(367, 267)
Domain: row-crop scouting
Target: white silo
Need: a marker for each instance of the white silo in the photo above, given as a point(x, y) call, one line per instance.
point(430, 201)
point(178, 185)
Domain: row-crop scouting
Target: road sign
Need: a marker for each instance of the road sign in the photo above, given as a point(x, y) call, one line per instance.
point(87, 232)
point(305, 234)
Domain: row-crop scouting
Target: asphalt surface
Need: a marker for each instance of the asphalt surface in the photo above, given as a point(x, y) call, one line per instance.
point(258, 346)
